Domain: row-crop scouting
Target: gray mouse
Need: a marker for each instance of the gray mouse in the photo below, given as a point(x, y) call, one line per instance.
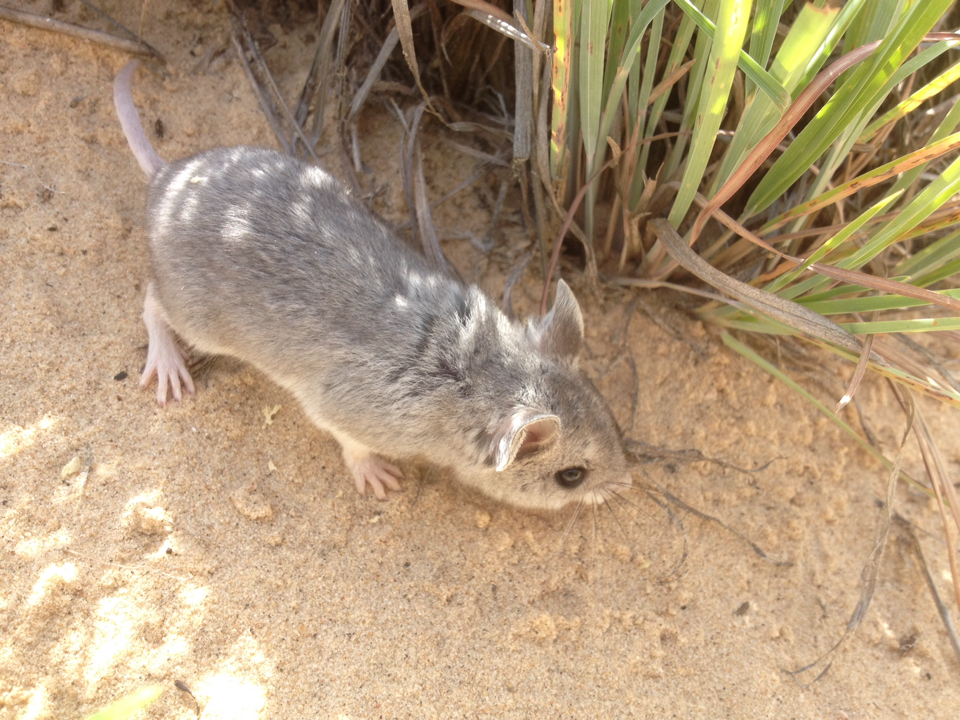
point(264, 258)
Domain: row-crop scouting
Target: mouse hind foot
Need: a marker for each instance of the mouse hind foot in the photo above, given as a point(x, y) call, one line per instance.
point(368, 468)
point(164, 357)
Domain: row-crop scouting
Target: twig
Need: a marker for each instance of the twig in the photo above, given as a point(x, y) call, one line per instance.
point(39, 179)
point(265, 105)
point(96, 36)
point(942, 610)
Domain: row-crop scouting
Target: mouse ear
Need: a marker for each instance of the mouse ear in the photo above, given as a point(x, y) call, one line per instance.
point(560, 332)
point(524, 433)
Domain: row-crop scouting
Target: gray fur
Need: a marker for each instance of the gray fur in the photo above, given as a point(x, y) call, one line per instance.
point(261, 257)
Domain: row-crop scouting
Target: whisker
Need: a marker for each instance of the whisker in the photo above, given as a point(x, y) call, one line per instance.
point(619, 524)
point(626, 506)
point(573, 520)
point(675, 571)
point(596, 527)
point(635, 506)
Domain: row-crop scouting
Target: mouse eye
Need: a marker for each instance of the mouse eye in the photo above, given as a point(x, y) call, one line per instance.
point(571, 477)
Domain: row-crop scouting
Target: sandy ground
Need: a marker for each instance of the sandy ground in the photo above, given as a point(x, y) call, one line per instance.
point(204, 544)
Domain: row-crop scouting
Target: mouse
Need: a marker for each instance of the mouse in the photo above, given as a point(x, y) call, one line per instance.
point(259, 256)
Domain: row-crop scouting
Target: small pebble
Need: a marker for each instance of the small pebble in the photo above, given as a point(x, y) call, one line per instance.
point(71, 468)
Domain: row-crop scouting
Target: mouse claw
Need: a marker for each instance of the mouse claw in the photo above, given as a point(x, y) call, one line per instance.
point(373, 470)
point(168, 374)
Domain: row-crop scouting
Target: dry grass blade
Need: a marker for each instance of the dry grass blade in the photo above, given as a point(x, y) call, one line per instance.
point(277, 104)
point(673, 499)
point(874, 177)
point(406, 155)
point(851, 277)
point(784, 311)
point(858, 374)
point(137, 47)
point(484, 157)
point(315, 86)
point(265, 103)
point(401, 15)
point(773, 138)
point(487, 8)
point(668, 82)
point(929, 358)
point(942, 486)
point(523, 116)
point(486, 245)
point(942, 610)
point(645, 454)
point(507, 29)
point(567, 225)
point(480, 172)
point(623, 281)
point(421, 204)
point(871, 569)
point(382, 57)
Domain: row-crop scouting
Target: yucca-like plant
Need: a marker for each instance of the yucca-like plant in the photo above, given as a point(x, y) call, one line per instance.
point(836, 225)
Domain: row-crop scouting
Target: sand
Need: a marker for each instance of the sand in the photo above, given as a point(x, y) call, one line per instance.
point(219, 543)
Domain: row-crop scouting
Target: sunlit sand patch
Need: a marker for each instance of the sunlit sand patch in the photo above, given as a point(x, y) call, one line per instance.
point(115, 627)
point(33, 547)
point(18, 438)
point(236, 692)
point(51, 576)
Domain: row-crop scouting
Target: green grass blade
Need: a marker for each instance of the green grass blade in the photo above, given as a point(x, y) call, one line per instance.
point(901, 110)
point(766, 20)
point(127, 706)
point(846, 306)
point(594, 22)
point(931, 257)
point(565, 18)
point(942, 273)
point(620, 19)
point(648, 116)
point(877, 175)
point(634, 87)
point(751, 68)
point(629, 58)
point(848, 137)
point(841, 237)
point(732, 22)
point(941, 189)
point(850, 12)
point(695, 79)
point(946, 127)
point(902, 326)
point(806, 34)
point(846, 106)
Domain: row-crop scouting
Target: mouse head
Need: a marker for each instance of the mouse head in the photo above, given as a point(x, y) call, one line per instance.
point(558, 442)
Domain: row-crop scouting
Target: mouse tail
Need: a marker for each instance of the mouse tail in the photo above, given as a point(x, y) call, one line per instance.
point(143, 151)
